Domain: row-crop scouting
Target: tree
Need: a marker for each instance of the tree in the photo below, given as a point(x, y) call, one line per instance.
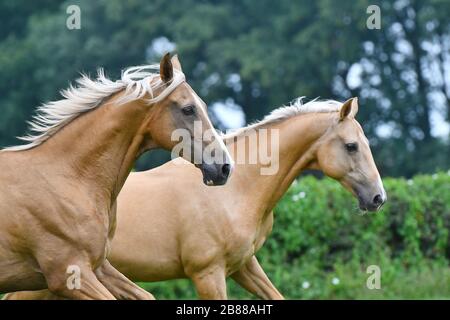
point(260, 54)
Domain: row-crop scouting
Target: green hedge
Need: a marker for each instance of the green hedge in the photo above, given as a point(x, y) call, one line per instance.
point(321, 243)
point(319, 232)
point(318, 220)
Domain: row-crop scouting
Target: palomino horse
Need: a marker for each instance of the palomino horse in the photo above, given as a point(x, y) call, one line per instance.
point(58, 192)
point(209, 235)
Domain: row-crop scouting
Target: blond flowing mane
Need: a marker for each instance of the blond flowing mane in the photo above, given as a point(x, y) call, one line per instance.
point(89, 94)
point(295, 108)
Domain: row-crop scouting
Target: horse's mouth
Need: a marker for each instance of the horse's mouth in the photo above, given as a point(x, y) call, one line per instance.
point(213, 182)
point(368, 208)
point(208, 182)
point(363, 206)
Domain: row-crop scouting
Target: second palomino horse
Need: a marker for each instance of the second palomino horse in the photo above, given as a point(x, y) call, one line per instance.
point(58, 192)
point(208, 235)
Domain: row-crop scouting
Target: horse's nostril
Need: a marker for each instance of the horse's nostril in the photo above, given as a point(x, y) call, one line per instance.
point(226, 170)
point(377, 200)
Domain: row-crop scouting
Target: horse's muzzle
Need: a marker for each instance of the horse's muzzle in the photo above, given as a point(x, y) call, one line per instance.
point(373, 203)
point(215, 174)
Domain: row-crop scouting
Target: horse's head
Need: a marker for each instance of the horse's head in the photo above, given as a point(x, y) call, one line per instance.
point(182, 114)
point(344, 154)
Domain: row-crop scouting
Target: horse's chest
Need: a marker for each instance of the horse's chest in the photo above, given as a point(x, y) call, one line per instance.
point(105, 232)
point(244, 242)
point(238, 252)
point(90, 230)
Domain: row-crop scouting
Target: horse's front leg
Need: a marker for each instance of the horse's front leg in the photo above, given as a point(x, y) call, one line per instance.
point(90, 287)
point(210, 284)
point(252, 277)
point(119, 285)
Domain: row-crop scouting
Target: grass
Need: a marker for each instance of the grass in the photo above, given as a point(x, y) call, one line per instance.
point(430, 280)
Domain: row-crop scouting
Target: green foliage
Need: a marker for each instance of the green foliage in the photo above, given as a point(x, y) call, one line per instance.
point(320, 235)
point(325, 224)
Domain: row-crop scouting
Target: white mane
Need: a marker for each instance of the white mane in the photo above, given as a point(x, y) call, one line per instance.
point(89, 94)
point(295, 108)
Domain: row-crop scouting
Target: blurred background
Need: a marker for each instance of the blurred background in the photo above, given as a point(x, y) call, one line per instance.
point(247, 57)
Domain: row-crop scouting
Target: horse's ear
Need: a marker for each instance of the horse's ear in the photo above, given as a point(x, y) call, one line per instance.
point(166, 68)
point(349, 108)
point(176, 63)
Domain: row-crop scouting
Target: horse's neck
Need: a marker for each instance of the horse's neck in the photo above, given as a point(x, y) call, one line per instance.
point(297, 137)
point(98, 148)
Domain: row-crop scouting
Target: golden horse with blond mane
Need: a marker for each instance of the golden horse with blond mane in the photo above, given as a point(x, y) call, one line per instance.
point(172, 228)
point(58, 192)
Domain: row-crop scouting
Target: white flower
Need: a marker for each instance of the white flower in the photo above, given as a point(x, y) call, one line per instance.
point(434, 176)
point(298, 196)
point(306, 285)
point(335, 281)
point(410, 182)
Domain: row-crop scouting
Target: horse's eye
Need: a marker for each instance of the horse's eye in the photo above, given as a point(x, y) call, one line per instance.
point(351, 147)
point(189, 110)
